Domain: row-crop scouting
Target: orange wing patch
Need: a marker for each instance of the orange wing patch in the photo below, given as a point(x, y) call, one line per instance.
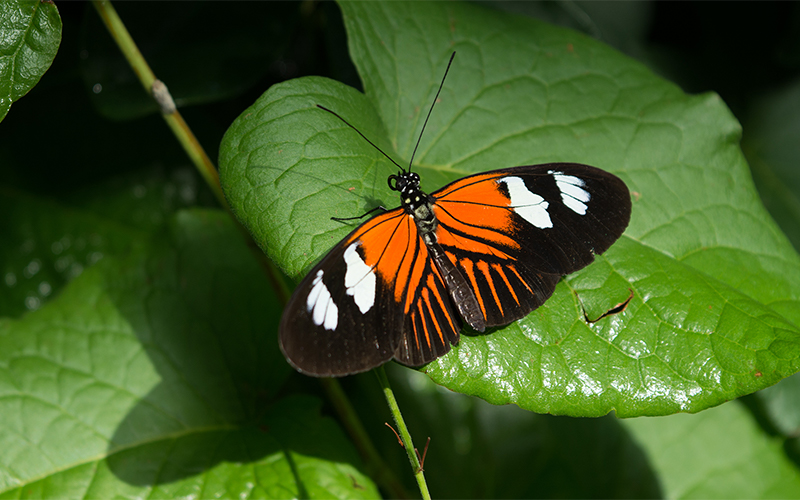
point(463, 189)
point(476, 206)
point(432, 325)
point(391, 244)
point(417, 269)
point(490, 224)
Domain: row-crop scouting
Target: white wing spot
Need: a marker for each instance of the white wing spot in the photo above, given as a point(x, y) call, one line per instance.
point(359, 279)
point(572, 193)
point(321, 306)
point(529, 206)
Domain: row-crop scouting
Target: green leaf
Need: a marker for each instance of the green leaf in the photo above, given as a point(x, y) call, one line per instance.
point(715, 284)
point(721, 453)
point(31, 35)
point(47, 243)
point(155, 373)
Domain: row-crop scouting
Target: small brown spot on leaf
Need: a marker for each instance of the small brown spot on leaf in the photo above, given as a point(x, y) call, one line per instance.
point(355, 483)
point(614, 310)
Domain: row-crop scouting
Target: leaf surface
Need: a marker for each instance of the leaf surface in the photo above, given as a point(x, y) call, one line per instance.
point(155, 373)
point(714, 311)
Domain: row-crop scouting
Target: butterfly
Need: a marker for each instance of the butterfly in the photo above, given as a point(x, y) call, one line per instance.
point(484, 250)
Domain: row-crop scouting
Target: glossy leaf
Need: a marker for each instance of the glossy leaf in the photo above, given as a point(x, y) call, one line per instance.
point(31, 34)
point(715, 284)
point(155, 373)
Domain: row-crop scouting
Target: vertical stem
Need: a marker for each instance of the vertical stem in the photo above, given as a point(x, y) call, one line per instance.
point(383, 475)
point(405, 436)
point(376, 467)
point(173, 118)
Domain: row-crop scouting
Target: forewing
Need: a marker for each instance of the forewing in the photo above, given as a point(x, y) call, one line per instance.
point(343, 318)
point(514, 232)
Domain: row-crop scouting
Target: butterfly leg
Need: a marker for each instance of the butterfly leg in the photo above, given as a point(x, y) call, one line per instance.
point(345, 219)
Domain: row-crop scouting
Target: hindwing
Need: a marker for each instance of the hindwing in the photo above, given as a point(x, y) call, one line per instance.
point(514, 232)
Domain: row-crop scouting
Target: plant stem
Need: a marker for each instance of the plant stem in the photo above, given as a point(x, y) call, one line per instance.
point(173, 118)
point(179, 127)
point(376, 467)
point(382, 474)
point(405, 436)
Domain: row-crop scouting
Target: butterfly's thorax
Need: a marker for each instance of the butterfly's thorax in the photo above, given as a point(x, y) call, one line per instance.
point(417, 204)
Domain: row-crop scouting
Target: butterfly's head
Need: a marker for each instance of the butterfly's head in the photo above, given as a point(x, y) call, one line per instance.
point(404, 182)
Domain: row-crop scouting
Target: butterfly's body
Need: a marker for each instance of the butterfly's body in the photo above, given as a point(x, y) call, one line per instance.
point(420, 208)
point(486, 249)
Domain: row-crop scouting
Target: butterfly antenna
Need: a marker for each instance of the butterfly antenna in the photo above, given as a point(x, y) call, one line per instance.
point(430, 111)
point(359, 133)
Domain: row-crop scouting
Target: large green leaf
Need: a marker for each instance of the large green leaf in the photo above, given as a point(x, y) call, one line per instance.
point(715, 284)
point(45, 243)
point(155, 373)
point(31, 33)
